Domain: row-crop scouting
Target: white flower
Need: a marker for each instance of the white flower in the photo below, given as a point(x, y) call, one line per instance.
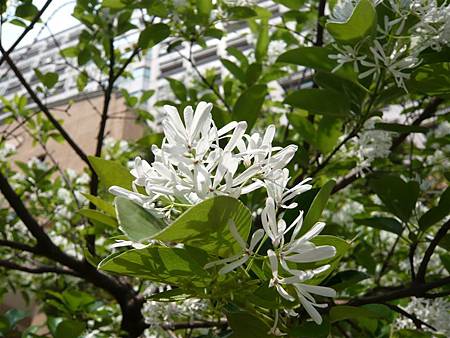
point(302, 290)
point(301, 250)
point(276, 183)
point(231, 263)
point(372, 143)
point(198, 161)
point(347, 54)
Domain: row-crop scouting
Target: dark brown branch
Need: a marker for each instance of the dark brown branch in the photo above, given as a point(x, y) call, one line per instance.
point(44, 109)
point(36, 269)
point(428, 112)
point(129, 301)
point(195, 324)
point(19, 246)
point(430, 250)
point(26, 30)
point(417, 322)
point(319, 27)
point(414, 289)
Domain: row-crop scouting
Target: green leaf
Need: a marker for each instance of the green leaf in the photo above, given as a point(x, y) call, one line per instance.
point(173, 295)
point(19, 23)
point(382, 223)
point(113, 4)
point(361, 23)
point(101, 204)
point(311, 57)
point(27, 11)
point(432, 79)
point(136, 222)
point(436, 213)
point(262, 43)
point(344, 312)
point(204, 7)
point(111, 173)
point(82, 81)
point(69, 52)
point(234, 69)
point(311, 329)
point(99, 217)
point(48, 79)
point(245, 325)
point(248, 105)
point(400, 128)
point(320, 101)
point(445, 260)
point(291, 4)
point(398, 196)
point(178, 89)
point(153, 34)
point(239, 56)
point(317, 206)
point(169, 265)
point(328, 133)
point(241, 12)
point(69, 329)
point(316, 58)
point(205, 226)
point(253, 73)
point(412, 333)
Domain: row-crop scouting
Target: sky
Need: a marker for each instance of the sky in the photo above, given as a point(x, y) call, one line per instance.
point(57, 15)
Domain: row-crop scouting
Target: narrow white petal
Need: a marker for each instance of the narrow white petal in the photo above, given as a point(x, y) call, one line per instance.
point(237, 236)
point(314, 231)
point(319, 290)
point(256, 238)
point(283, 293)
point(273, 260)
point(313, 255)
point(230, 267)
point(315, 315)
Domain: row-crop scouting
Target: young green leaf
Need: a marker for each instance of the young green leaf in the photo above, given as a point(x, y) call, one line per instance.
point(398, 196)
point(111, 173)
point(205, 226)
point(136, 222)
point(360, 24)
point(317, 206)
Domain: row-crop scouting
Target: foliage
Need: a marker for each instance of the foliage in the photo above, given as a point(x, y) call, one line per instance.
point(355, 98)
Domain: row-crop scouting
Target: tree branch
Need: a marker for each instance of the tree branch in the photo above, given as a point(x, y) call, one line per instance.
point(195, 324)
point(26, 30)
point(428, 112)
point(430, 250)
point(414, 289)
point(417, 322)
point(45, 110)
point(19, 246)
point(129, 301)
point(38, 269)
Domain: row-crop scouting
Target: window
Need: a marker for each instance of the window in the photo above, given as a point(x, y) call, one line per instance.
point(170, 68)
point(205, 56)
point(240, 43)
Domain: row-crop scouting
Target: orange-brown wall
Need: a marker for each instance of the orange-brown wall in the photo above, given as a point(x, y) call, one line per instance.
point(81, 121)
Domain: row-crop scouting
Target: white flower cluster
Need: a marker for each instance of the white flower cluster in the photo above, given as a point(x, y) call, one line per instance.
point(435, 312)
point(197, 161)
point(191, 164)
point(397, 56)
point(372, 143)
